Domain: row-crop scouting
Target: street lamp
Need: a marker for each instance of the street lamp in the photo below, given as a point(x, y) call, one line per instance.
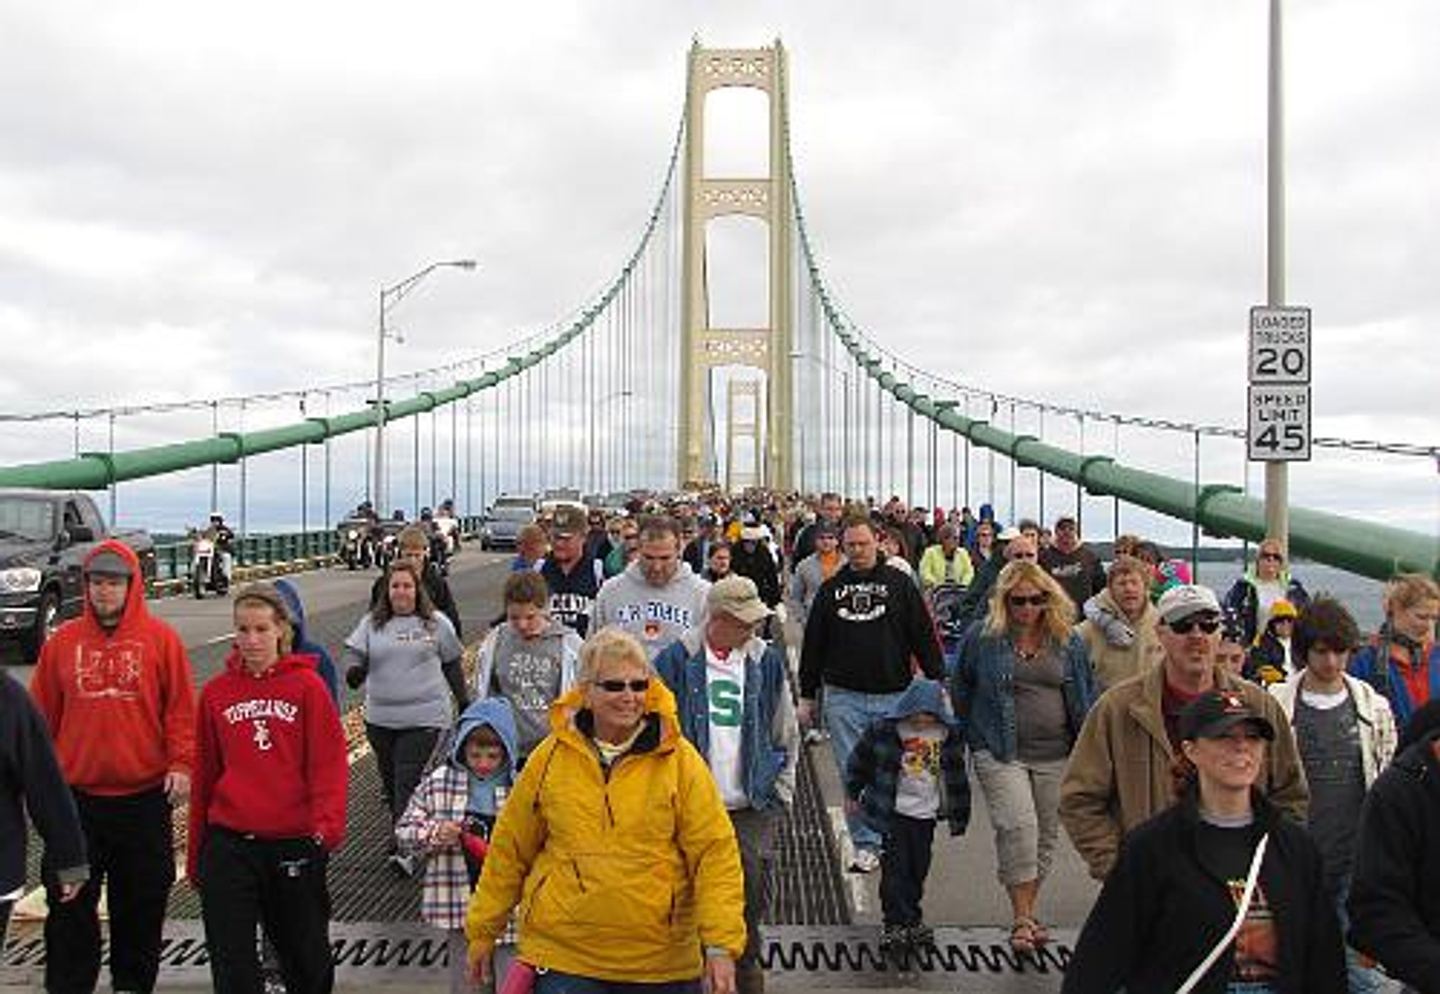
point(389, 297)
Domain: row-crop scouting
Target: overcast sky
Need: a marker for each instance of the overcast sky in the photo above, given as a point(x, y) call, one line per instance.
point(1062, 200)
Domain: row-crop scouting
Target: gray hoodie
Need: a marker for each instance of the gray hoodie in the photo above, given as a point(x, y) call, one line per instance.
point(656, 616)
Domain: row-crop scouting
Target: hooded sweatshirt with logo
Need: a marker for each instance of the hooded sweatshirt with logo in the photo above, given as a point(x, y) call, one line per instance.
point(270, 756)
point(656, 616)
point(530, 674)
point(120, 704)
point(864, 628)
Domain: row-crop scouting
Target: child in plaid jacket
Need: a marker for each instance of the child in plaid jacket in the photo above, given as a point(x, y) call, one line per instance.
point(449, 819)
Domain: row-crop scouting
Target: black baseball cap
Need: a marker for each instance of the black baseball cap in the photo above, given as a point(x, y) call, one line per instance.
point(1215, 712)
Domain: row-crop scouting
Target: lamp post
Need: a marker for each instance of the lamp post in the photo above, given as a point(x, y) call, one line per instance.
point(389, 297)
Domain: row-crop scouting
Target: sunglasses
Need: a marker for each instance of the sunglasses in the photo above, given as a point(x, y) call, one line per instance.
point(1034, 600)
point(1187, 625)
point(1272, 555)
point(1027, 556)
point(617, 686)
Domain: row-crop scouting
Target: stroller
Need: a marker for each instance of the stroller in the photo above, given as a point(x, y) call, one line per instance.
point(945, 608)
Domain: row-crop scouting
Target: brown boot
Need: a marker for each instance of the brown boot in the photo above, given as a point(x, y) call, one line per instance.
point(750, 979)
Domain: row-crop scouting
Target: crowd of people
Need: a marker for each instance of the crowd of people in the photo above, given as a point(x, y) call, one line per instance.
point(1255, 782)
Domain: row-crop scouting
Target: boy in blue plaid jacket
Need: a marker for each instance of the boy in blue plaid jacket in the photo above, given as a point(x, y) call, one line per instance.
point(906, 772)
point(449, 819)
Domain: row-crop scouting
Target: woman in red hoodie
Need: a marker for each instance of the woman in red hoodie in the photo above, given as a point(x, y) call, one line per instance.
point(267, 804)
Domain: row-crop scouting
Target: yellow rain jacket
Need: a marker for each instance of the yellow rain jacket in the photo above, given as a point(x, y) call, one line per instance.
point(622, 877)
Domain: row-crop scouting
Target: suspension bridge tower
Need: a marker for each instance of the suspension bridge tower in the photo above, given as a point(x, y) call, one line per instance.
point(767, 198)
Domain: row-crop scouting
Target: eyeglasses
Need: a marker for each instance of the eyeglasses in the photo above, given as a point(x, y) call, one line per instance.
point(1186, 625)
point(1034, 600)
point(617, 686)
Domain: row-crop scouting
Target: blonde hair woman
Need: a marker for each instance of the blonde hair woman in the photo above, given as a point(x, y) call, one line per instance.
point(1022, 688)
point(1403, 661)
point(615, 844)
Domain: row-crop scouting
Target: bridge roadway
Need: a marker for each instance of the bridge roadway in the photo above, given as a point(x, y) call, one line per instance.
point(825, 922)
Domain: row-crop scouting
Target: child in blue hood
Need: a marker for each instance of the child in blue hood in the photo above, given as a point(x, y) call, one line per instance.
point(906, 772)
point(450, 816)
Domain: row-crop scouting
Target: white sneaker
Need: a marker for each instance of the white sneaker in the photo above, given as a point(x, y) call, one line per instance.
point(865, 861)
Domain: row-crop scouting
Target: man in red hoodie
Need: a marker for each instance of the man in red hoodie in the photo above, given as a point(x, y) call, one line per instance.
point(115, 689)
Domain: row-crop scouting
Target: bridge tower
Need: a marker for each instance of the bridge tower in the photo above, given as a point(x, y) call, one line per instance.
point(767, 198)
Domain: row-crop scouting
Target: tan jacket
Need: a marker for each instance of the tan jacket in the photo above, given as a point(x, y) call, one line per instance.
point(1119, 771)
point(1112, 663)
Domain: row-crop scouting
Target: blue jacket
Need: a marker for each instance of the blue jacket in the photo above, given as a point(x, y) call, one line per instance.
point(984, 693)
point(872, 774)
point(1388, 679)
point(324, 665)
point(769, 745)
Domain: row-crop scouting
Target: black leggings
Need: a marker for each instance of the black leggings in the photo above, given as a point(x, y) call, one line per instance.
point(400, 755)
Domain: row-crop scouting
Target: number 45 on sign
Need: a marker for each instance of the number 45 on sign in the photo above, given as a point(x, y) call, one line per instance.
point(1279, 424)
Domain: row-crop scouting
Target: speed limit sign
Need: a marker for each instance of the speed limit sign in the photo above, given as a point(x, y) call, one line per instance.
point(1279, 345)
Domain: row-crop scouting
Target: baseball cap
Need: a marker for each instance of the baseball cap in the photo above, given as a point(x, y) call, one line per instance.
point(108, 562)
point(1185, 599)
point(1215, 712)
point(752, 533)
point(738, 597)
point(1008, 534)
point(569, 521)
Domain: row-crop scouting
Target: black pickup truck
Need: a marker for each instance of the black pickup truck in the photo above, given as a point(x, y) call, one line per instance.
point(44, 538)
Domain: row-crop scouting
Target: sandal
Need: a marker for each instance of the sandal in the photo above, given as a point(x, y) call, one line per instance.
point(1022, 936)
point(1039, 934)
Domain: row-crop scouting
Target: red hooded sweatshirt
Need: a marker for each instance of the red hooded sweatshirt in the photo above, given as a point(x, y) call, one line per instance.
point(120, 704)
point(270, 756)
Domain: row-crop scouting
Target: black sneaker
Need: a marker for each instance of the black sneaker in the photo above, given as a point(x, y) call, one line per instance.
point(403, 864)
point(920, 934)
point(893, 937)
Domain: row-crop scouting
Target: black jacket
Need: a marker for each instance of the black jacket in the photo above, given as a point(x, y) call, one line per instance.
point(1395, 890)
point(759, 566)
point(1161, 912)
point(30, 780)
point(863, 630)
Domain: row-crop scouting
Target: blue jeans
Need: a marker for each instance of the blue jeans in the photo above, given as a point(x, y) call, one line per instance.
point(847, 714)
point(1362, 979)
point(555, 982)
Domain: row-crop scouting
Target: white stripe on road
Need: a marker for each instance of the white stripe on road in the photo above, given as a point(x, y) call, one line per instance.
point(854, 882)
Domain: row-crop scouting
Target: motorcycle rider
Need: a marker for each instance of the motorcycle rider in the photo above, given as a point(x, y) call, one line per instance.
point(219, 533)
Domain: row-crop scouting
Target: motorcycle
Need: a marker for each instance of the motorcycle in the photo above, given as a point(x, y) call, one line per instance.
point(357, 548)
point(207, 569)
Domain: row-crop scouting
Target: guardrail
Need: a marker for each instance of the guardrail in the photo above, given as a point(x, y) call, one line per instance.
point(258, 556)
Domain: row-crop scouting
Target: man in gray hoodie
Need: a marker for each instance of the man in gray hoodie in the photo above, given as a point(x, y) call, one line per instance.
point(657, 598)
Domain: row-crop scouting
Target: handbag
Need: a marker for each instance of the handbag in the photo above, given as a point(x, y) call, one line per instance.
point(1251, 879)
point(519, 979)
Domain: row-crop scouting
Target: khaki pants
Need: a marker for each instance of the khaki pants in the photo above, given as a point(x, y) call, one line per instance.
point(1023, 799)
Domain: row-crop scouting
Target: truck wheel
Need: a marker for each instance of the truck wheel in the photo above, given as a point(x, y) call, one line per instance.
point(47, 619)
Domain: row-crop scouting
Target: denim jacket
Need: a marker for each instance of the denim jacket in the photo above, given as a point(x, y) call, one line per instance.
point(983, 690)
point(769, 745)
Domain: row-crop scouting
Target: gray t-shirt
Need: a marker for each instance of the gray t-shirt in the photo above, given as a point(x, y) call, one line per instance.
point(406, 688)
point(1042, 732)
point(1327, 732)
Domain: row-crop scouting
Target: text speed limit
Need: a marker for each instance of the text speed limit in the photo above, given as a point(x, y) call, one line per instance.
point(1279, 423)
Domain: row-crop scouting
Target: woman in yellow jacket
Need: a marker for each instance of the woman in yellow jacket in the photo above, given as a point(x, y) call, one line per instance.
point(615, 845)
